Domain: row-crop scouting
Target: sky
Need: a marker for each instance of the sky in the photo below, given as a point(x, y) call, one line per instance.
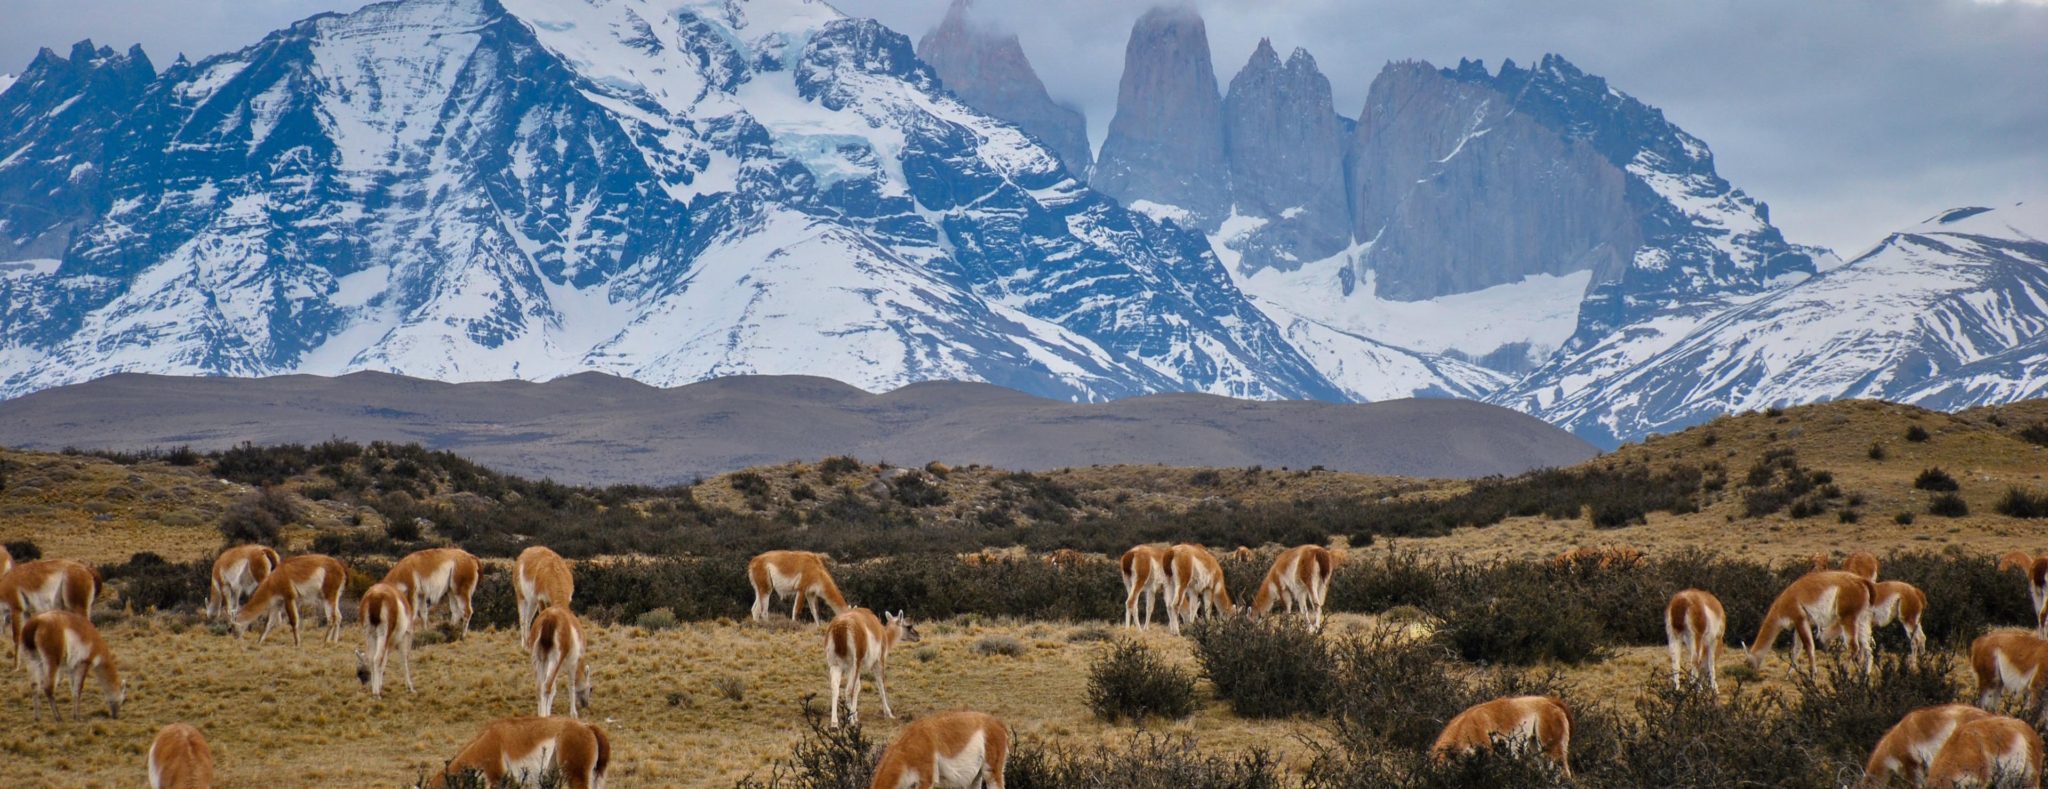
point(1851, 118)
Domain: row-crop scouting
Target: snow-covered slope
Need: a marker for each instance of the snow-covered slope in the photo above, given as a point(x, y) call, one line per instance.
point(1949, 313)
point(664, 189)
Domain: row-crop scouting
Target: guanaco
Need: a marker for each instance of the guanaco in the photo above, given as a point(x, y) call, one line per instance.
point(2009, 661)
point(799, 576)
point(1541, 721)
point(1989, 751)
point(309, 577)
point(858, 642)
point(540, 578)
point(1694, 628)
point(64, 644)
point(236, 574)
point(1828, 601)
point(45, 585)
point(949, 750)
point(556, 642)
point(524, 749)
point(1144, 572)
point(1299, 578)
point(1909, 747)
point(180, 759)
point(2035, 568)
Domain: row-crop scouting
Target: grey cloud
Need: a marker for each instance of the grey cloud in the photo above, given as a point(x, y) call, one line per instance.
point(1850, 117)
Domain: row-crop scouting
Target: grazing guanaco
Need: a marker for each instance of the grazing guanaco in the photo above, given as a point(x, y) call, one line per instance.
point(62, 643)
point(1862, 563)
point(2009, 661)
point(6, 560)
point(434, 575)
point(309, 577)
point(1244, 553)
point(857, 642)
point(1299, 578)
point(540, 578)
point(1902, 602)
point(556, 642)
point(524, 749)
point(1909, 747)
point(180, 759)
point(1066, 558)
point(2035, 568)
point(949, 750)
point(1144, 572)
point(1194, 582)
point(1827, 601)
point(1541, 721)
point(1990, 751)
point(45, 585)
point(1695, 625)
point(236, 574)
point(800, 577)
point(386, 614)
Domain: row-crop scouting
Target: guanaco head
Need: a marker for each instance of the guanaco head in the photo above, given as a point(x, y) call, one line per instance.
point(1754, 656)
point(115, 697)
point(905, 632)
point(362, 667)
point(583, 686)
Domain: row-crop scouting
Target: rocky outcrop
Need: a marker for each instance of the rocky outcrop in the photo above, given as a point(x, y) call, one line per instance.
point(1165, 145)
point(988, 70)
point(1286, 150)
point(1459, 192)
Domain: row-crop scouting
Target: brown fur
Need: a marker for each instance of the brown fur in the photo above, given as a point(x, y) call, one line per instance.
point(913, 760)
point(1475, 728)
point(21, 593)
point(2022, 650)
point(1299, 577)
point(1613, 557)
point(805, 581)
point(387, 622)
point(582, 751)
point(236, 574)
point(1695, 625)
point(415, 574)
point(180, 759)
point(550, 579)
point(1904, 603)
point(322, 577)
point(1798, 608)
point(1861, 563)
point(1194, 582)
point(1910, 746)
point(6, 560)
point(1066, 558)
point(556, 643)
point(1990, 751)
point(47, 642)
point(1144, 572)
point(857, 642)
point(2035, 568)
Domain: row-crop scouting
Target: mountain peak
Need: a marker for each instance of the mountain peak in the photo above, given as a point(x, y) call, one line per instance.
point(1165, 143)
point(989, 70)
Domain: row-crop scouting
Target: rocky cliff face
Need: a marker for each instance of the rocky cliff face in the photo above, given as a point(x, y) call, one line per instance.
point(1458, 192)
point(1165, 145)
point(988, 70)
point(54, 122)
point(1284, 142)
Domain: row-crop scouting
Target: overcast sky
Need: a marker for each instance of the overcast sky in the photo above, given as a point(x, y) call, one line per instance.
point(1851, 118)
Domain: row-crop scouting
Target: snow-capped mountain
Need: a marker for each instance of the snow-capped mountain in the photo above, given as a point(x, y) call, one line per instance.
point(664, 189)
point(1949, 313)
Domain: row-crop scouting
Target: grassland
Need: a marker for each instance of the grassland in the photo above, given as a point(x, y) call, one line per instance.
point(274, 712)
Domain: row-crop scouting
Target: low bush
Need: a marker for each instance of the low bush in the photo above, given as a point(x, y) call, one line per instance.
point(1515, 619)
point(1917, 434)
point(1935, 479)
point(1840, 711)
point(1388, 687)
point(1948, 505)
point(656, 620)
point(1147, 761)
point(1271, 667)
point(827, 757)
point(2036, 433)
point(259, 517)
point(1128, 681)
point(147, 582)
point(2020, 503)
point(1006, 646)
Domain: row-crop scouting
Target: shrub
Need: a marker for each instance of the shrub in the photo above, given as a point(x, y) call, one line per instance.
point(1690, 737)
point(731, 688)
point(1916, 434)
point(1840, 710)
point(2036, 433)
point(147, 582)
point(1517, 621)
point(1903, 519)
point(832, 468)
point(1007, 646)
point(656, 620)
point(24, 550)
point(827, 757)
point(1127, 680)
point(1948, 505)
point(2019, 503)
point(1877, 451)
point(1936, 480)
point(1388, 687)
point(259, 517)
point(1266, 668)
point(1148, 761)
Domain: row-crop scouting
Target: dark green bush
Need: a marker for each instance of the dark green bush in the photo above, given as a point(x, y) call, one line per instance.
point(1266, 668)
point(1936, 480)
point(1948, 505)
point(1840, 711)
point(24, 551)
point(259, 517)
point(827, 757)
point(147, 582)
point(1917, 434)
point(1127, 681)
point(1690, 738)
point(1388, 687)
point(1516, 620)
point(2020, 503)
point(2036, 433)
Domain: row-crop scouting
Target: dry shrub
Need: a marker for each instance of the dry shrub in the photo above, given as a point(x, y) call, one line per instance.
point(1147, 761)
point(1266, 668)
point(1128, 681)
